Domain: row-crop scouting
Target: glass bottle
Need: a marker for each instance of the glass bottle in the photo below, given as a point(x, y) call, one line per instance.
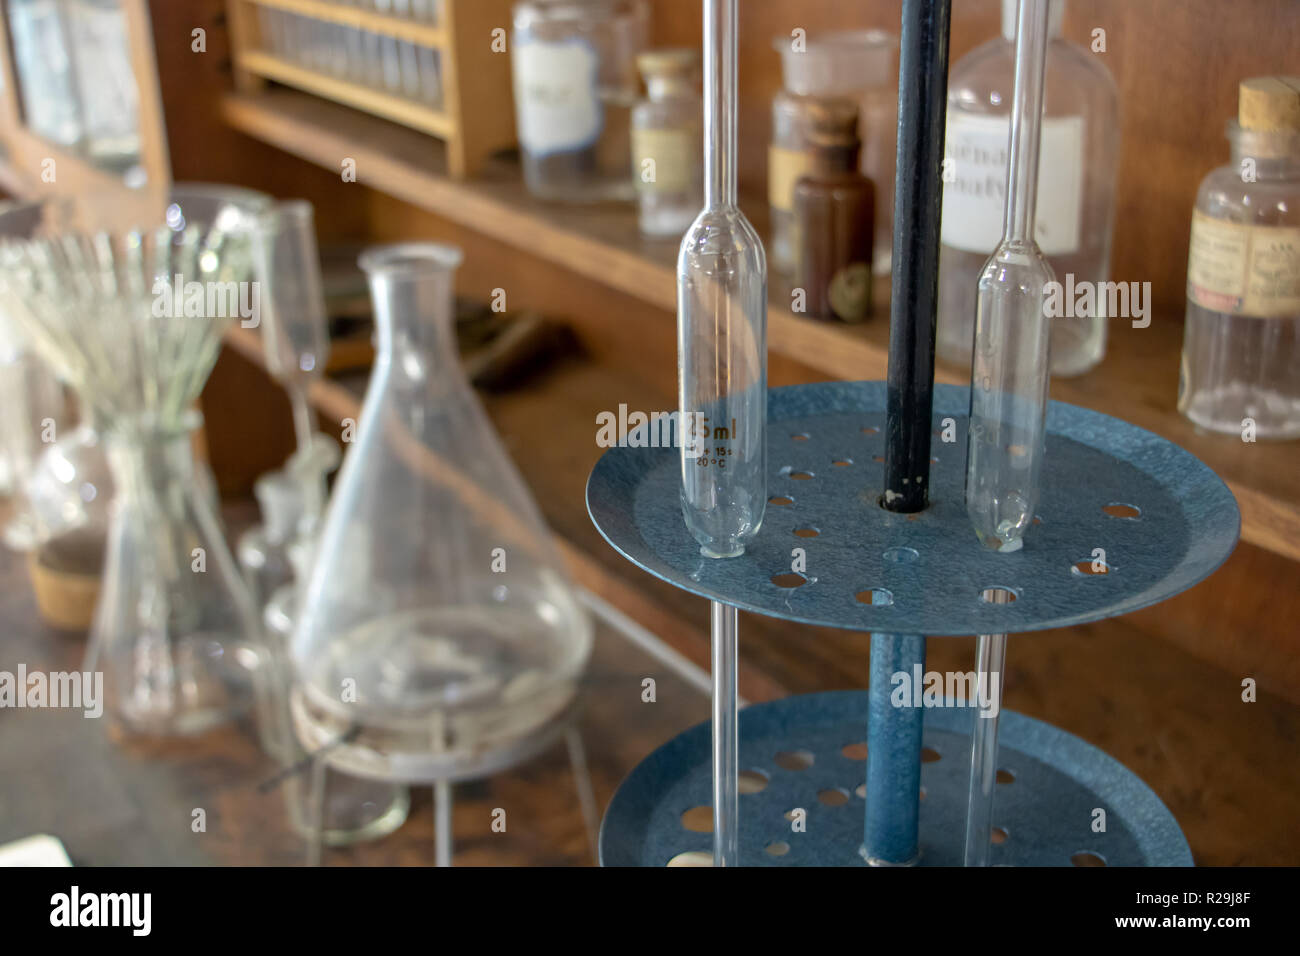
point(722, 331)
point(667, 143)
point(1241, 339)
point(853, 64)
point(575, 85)
point(834, 207)
point(437, 625)
point(47, 82)
point(1076, 213)
point(106, 83)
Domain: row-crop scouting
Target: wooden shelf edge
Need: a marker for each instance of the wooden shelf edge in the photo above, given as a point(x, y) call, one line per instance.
point(426, 119)
point(1268, 521)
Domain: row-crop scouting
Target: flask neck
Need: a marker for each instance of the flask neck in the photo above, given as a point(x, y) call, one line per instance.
point(411, 286)
point(146, 457)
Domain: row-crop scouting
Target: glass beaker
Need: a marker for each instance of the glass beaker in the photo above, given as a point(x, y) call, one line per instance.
point(436, 625)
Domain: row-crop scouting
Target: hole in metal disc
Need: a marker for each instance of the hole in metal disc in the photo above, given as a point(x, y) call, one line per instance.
point(698, 819)
point(877, 597)
point(780, 501)
point(1117, 509)
point(793, 759)
point(1005, 776)
point(1091, 567)
point(997, 595)
point(930, 755)
point(779, 848)
point(692, 858)
point(998, 836)
point(833, 797)
point(752, 781)
point(789, 579)
point(807, 532)
point(856, 751)
point(901, 555)
point(1087, 858)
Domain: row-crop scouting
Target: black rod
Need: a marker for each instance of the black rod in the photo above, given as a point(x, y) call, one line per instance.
point(918, 194)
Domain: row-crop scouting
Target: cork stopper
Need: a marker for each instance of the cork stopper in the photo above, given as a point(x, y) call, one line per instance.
point(833, 122)
point(673, 62)
point(1269, 103)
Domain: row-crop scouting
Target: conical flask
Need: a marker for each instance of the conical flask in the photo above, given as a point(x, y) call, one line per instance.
point(438, 634)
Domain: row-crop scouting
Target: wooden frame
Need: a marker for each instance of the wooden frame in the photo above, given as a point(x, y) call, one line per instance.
point(472, 131)
point(21, 172)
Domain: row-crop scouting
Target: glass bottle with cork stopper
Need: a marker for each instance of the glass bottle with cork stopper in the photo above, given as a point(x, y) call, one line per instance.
point(834, 207)
point(667, 142)
point(1241, 339)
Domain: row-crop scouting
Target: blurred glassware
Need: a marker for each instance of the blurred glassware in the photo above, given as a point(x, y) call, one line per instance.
point(856, 64)
point(47, 83)
point(133, 321)
point(575, 84)
point(106, 84)
point(438, 634)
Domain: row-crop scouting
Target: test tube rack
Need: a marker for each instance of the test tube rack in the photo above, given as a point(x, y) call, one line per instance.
point(1163, 518)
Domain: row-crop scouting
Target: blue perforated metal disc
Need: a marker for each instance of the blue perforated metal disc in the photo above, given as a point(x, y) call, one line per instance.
point(1046, 808)
point(929, 566)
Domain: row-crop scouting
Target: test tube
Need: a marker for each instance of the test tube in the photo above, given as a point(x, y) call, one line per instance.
point(1008, 410)
point(722, 392)
point(1009, 368)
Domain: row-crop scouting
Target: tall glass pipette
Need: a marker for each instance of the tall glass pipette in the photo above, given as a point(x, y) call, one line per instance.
point(1008, 408)
point(722, 389)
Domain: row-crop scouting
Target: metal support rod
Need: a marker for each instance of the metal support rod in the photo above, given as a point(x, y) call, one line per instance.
point(918, 194)
point(442, 823)
point(726, 739)
point(582, 783)
point(893, 754)
point(991, 656)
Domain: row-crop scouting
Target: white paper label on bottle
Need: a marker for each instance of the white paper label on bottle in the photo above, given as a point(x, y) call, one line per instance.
point(557, 105)
point(973, 202)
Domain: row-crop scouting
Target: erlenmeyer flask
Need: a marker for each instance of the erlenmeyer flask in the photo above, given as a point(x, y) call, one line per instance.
point(175, 626)
point(437, 630)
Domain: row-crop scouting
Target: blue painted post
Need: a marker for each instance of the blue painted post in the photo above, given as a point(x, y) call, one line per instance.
point(893, 754)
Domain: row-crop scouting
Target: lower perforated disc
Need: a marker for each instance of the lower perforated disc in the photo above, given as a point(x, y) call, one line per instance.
point(809, 752)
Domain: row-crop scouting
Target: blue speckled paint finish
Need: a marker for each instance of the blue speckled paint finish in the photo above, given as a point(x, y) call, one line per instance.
point(894, 761)
point(1047, 811)
point(1188, 526)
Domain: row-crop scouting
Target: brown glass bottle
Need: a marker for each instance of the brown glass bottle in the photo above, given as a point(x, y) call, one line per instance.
point(834, 213)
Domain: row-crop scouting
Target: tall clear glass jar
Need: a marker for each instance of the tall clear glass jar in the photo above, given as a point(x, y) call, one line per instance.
point(1077, 171)
point(855, 64)
point(1241, 340)
point(575, 84)
point(668, 143)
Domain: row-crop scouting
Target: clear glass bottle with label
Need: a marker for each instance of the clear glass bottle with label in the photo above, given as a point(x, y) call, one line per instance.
point(856, 64)
point(668, 144)
point(834, 211)
point(1076, 194)
point(575, 84)
point(1241, 340)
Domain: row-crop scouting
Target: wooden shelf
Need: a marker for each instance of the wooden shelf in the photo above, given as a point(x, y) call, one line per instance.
point(1138, 381)
point(414, 115)
point(419, 32)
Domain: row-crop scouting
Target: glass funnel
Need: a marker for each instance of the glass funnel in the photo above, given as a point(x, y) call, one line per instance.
point(437, 625)
point(133, 321)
